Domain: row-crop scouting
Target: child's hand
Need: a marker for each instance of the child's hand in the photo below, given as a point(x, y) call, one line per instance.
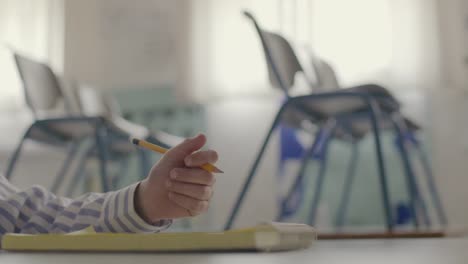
point(176, 187)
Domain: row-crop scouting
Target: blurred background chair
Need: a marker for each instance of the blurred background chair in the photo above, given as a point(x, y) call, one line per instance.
point(55, 123)
point(405, 140)
point(348, 114)
point(78, 117)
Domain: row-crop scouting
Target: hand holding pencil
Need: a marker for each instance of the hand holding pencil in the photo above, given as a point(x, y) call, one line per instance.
point(145, 144)
point(180, 184)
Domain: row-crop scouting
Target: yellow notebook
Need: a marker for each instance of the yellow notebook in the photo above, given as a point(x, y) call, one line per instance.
point(263, 237)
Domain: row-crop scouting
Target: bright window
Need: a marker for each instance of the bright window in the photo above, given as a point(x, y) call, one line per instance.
point(32, 27)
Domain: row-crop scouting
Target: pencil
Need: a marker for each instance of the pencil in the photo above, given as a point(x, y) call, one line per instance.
point(145, 144)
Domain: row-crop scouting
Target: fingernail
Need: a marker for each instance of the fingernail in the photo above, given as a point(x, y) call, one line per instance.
point(173, 175)
point(188, 161)
point(168, 184)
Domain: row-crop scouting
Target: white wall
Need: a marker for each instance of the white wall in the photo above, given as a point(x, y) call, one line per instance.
point(450, 152)
point(124, 44)
point(454, 42)
point(449, 108)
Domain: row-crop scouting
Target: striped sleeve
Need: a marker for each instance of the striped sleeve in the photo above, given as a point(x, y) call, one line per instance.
point(36, 210)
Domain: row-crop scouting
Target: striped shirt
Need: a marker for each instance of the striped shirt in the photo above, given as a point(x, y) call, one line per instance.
point(35, 210)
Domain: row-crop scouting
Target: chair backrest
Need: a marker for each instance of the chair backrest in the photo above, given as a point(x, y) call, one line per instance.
point(41, 87)
point(283, 64)
point(325, 75)
point(94, 103)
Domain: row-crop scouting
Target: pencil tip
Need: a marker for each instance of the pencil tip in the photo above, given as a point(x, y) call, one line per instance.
point(135, 141)
point(218, 171)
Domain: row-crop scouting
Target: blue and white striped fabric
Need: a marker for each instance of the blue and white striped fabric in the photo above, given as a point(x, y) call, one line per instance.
point(35, 210)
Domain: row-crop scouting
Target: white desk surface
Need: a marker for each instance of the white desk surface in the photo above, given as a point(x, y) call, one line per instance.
point(427, 251)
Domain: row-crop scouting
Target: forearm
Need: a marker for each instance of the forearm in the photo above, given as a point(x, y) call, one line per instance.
point(36, 210)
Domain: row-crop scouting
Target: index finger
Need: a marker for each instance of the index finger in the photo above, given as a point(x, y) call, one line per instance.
point(200, 158)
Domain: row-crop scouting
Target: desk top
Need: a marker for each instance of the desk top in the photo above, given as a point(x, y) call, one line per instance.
point(394, 251)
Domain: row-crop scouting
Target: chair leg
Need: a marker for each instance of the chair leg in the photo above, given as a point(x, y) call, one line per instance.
point(285, 203)
point(102, 154)
point(415, 196)
point(318, 185)
point(345, 197)
point(80, 170)
point(16, 154)
point(409, 181)
point(253, 170)
point(374, 110)
point(73, 148)
point(432, 186)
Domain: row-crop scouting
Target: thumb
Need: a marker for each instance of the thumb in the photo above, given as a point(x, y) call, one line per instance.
point(188, 146)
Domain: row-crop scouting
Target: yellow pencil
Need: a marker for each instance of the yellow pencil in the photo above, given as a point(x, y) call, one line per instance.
point(145, 144)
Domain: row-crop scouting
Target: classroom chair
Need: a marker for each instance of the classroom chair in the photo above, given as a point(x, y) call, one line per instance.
point(336, 113)
point(405, 140)
point(63, 126)
point(55, 122)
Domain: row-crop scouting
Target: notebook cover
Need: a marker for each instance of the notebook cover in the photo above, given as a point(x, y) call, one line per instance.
point(263, 237)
